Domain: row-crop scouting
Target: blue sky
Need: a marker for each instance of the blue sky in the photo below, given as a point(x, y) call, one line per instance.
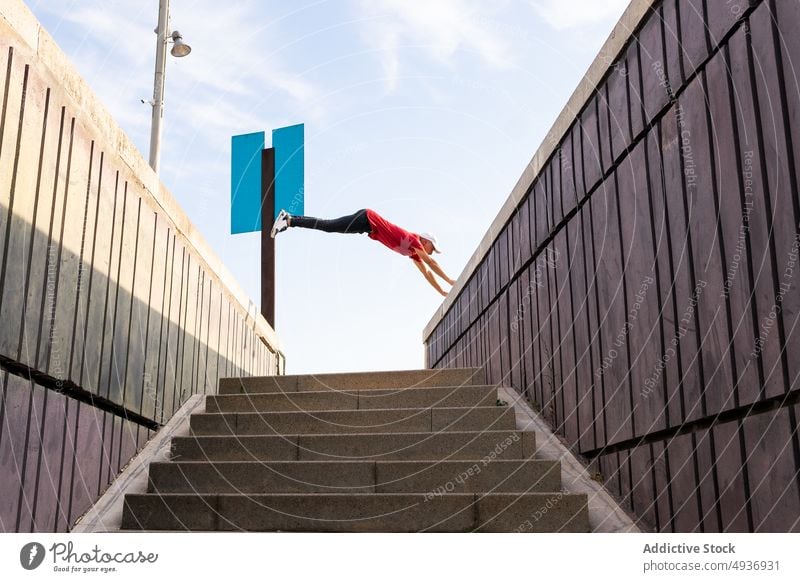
point(425, 110)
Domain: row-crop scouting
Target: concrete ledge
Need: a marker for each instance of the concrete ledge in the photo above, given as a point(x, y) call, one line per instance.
point(325, 421)
point(466, 445)
point(496, 476)
point(434, 476)
point(604, 512)
point(282, 402)
point(353, 381)
point(231, 448)
point(106, 514)
point(254, 478)
point(367, 512)
point(477, 418)
point(353, 421)
point(510, 444)
point(538, 513)
point(458, 396)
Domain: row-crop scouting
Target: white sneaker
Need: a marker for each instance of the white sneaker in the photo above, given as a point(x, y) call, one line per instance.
point(281, 223)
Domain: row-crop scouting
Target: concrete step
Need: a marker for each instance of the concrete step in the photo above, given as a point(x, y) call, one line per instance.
point(353, 381)
point(358, 512)
point(434, 477)
point(452, 397)
point(506, 444)
point(354, 421)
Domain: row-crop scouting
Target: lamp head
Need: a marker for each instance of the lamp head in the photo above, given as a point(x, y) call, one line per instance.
point(179, 48)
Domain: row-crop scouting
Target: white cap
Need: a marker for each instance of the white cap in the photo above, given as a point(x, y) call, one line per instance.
point(430, 237)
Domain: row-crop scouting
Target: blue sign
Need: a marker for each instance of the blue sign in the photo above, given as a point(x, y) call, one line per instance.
point(289, 169)
point(246, 182)
point(246, 178)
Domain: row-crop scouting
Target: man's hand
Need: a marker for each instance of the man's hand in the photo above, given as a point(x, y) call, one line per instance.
point(430, 278)
point(434, 266)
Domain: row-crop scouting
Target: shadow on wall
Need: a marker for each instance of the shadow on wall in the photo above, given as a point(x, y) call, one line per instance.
point(99, 297)
point(87, 333)
point(78, 329)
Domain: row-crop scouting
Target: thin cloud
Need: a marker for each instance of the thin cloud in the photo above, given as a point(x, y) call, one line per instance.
point(442, 28)
point(564, 15)
point(232, 58)
point(218, 121)
point(232, 52)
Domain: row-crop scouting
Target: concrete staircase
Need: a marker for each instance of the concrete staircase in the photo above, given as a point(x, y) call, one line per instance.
point(417, 450)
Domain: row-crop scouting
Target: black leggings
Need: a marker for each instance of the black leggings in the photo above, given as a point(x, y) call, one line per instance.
point(352, 223)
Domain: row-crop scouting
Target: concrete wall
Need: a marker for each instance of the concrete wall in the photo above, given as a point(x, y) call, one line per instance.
point(113, 309)
point(639, 285)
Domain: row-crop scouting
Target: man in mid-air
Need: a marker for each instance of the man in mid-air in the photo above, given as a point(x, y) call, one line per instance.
point(419, 247)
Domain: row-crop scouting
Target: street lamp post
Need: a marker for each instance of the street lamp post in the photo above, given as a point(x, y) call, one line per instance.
point(179, 49)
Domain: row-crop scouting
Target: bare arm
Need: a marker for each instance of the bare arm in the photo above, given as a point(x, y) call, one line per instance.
point(434, 266)
point(429, 276)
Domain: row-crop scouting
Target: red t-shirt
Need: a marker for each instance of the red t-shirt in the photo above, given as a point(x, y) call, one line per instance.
point(396, 238)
